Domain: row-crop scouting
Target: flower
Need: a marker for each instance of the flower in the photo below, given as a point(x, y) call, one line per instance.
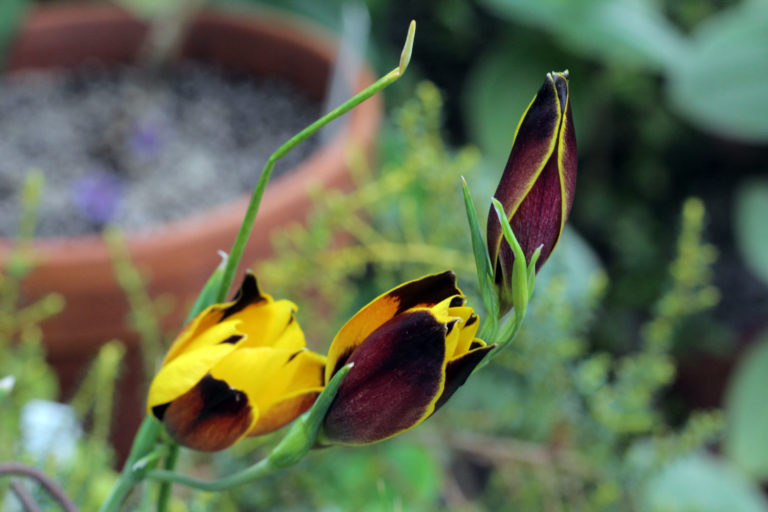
point(239, 368)
point(538, 183)
point(412, 348)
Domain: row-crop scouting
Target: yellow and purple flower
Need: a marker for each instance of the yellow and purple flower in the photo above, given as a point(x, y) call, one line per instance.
point(412, 348)
point(238, 369)
point(538, 183)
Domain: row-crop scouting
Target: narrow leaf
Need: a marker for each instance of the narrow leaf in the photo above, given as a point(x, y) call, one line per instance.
point(519, 268)
point(208, 295)
point(482, 260)
point(303, 434)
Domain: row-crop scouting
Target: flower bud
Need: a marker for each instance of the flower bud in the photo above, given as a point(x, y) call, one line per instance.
point(238, 369)
point(412, 348)
point(538, 183)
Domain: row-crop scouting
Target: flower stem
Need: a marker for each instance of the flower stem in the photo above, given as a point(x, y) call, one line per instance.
point(164, 494)
point(238, 247)
point(258, 470)
point(143, 444)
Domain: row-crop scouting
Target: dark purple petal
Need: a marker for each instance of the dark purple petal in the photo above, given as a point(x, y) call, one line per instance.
point(458, 371)
point(209, 417)
point(395, 380)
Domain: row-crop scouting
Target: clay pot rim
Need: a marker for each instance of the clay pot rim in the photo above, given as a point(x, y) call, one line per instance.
point(320, 167)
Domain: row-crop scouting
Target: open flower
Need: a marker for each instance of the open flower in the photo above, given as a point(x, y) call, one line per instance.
point(412, 348)
point(537, 186)
point(239, 368)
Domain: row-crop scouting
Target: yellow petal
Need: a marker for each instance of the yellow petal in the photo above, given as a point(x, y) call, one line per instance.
point(252, 371)
point(205, 320)
point(184, 372)
point(424, 292)
point(467, 329)
point(301, 381)
point(271, 324)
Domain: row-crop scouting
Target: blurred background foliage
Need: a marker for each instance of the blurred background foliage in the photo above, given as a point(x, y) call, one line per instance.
point(638, 380)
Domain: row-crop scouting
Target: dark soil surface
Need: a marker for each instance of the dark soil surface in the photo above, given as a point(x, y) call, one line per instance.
point(134, 148)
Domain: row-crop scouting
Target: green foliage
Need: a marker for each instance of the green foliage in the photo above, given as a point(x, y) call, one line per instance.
point(751, 230)
point(710, 71)
point(746, 435)
point(85, 473)
point(702, 483)
point(713, 85)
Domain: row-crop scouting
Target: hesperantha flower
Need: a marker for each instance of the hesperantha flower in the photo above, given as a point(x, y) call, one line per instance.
point(238, 369)
point(538, 182)
point(411, 349)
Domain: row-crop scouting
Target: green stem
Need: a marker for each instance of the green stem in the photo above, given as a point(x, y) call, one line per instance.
point(164, 494)
point(142, 445)
point(258, 470)
point(238, 247)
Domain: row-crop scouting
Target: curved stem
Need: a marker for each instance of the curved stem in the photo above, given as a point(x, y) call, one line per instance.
point(24, 497)
point(236, 254)
point(48, 484)
point(238, 247)
point(258, 470)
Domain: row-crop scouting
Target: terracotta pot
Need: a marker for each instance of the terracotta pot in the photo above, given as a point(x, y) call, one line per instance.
point(178, 256)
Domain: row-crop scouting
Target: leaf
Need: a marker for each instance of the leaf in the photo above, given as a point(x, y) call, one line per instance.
point(746, 433)
point(721, 86)
point(303, 433)
point(633, 32)
point(210, 290)
point(701, 483)
point(574, 258)
point(482, 260)
point(751, 229)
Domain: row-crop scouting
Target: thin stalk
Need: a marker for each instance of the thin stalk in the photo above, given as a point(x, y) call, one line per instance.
point(258, 470)
point(236, 254)
point(142, 444)
point(164, 494)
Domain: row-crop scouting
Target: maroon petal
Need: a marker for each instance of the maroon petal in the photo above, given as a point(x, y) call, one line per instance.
point(531, 149)
point(458, 371)
point(209, 417)
point(395, 380)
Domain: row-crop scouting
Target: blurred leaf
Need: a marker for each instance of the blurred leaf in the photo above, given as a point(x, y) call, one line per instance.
point(746, 434)
point(751, 212)
point(573, 257)
point(501, 86)
point(721, 85)
point(632, 32)
point(417, 468)
point(701, 483)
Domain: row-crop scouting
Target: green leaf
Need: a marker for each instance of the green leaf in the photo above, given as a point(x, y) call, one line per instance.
point(751, 229)
point(574, 258)
point(701, 483)
point(416, 469)
point(746, 433)
point(482, 260)
point(303, 433)
point(721, 86)
point(633, 32)
point(210, 290)
point(519, 267)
